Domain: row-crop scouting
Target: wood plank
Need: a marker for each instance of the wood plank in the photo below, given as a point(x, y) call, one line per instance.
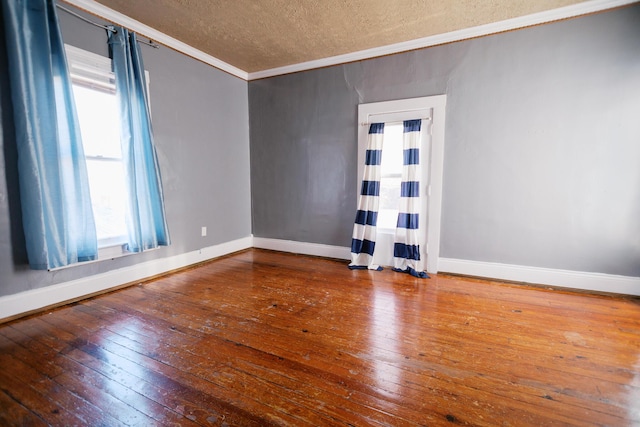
point(265, 338)
point(239, 381)
point(12, 412)
point(230, 354)
point(537, 396)
point(29, 353)
point(490, 352)
point(167, 376)
point(24, 386)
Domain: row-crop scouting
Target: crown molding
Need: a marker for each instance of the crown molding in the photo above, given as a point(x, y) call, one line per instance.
point(544, 17)
point(118, 18)
point(579, 9)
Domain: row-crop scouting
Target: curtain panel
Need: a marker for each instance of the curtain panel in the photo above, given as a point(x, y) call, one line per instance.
point(408, 237)
point(363, 241)
point(146, 222)
point(58, 221)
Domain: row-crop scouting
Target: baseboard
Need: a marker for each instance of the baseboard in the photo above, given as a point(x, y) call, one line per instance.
point(597, 282)
point(25, 302)
point(317, 249)
point(544, 276)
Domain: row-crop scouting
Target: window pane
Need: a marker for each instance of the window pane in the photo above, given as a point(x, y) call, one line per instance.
point(100, 127)
point(99, 122)
point(392, 156)
point(106, 180)
point(387, 219)
point(99, 117)
point(389, 201)
point(391, 168)
point(390, 193)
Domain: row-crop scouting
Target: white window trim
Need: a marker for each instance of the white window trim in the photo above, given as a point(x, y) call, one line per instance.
point(407, 109)
point(389, 119)
point(97, 68)
point(96, 71)
point(92, 63)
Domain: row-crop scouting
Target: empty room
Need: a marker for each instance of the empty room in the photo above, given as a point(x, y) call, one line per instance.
point(382, 213)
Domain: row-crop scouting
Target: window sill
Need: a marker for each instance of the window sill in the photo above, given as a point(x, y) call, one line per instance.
point(104, 253)
point(112, 251)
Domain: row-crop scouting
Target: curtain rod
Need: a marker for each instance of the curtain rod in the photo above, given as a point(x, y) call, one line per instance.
point(392, 122)
point(104, 27)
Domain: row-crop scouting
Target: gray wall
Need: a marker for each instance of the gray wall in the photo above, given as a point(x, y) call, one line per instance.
point(201, 127)
point(542, 144)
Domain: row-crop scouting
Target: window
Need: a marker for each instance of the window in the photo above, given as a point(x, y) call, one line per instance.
point(95, 96)
point(391, 175)
point(392, 113)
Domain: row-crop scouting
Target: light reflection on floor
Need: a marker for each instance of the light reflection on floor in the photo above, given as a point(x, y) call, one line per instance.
point(384, 341)
point(132, 372)
point(634, 393)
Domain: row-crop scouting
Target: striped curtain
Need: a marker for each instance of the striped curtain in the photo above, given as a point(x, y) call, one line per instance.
point(406, 250)
point(363, 241)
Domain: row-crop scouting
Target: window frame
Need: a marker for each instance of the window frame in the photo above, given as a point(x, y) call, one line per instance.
point(383, 176)
point(95, 71)
point(408, 109)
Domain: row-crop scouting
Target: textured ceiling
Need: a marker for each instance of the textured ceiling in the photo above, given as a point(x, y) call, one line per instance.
point(256, 35)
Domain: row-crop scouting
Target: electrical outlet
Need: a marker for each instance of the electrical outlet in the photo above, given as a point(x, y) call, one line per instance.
point(204, 231)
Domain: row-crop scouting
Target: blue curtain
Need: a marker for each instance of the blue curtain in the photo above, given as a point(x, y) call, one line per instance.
point(54, 190)
point(363, 241)
point(146, 224)
point(406, 248)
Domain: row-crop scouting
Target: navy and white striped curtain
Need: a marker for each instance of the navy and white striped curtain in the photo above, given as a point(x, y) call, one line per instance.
point(407, 238)
point(406, 249)
point(363, 241)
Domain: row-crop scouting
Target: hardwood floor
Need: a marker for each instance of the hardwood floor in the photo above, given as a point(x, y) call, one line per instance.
point(264, 338)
